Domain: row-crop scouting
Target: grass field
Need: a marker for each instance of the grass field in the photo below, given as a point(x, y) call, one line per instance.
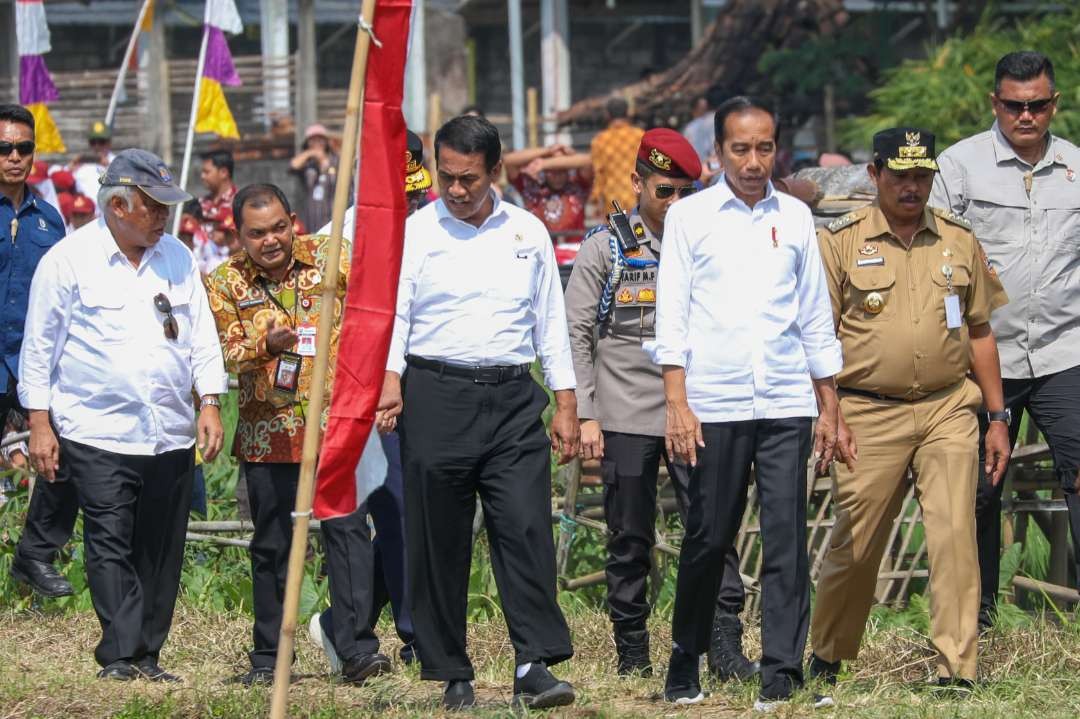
point(47, 670)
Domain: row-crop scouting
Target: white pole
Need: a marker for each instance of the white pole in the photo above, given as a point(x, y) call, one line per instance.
point(186, 165)
point(111, 112)
point(414, 104)
point(517, 71)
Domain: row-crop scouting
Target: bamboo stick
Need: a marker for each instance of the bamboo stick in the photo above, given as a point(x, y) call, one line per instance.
point(312, 430)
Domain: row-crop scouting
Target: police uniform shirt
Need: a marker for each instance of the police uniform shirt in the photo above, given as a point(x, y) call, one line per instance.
point(617, 382)
point(26, 234)
point(742, 305)
point(1028, 220)
point(481, 296)
point(889, 300)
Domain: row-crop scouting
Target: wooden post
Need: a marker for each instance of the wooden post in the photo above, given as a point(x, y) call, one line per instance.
point(305, 491)
point(434, 112)
point(307, 78)
point(830, 117)
point(532, 102)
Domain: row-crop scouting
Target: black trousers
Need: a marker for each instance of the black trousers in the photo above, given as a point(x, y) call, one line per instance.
point(271, 489)
point(460, 439)
point(50, 518)
point(1053, 402)
point(135, 511)
point(778, 449)
point(386, 505)
point(629, 469)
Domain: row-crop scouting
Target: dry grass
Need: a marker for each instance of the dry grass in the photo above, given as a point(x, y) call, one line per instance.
point(47, 670)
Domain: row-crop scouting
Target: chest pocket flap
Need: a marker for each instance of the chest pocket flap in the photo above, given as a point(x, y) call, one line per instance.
point(876, 277)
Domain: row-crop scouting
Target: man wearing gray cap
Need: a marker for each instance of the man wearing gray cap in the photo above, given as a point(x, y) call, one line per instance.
point(118, 331)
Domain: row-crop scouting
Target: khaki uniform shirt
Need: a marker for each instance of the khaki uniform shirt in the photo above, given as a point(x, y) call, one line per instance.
point(617, 382)
point(1028, 220)
point(889, 301)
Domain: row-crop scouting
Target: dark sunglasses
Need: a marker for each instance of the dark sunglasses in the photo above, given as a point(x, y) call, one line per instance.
point(172, 330)
point(663, 192)
point(25, 148)
point(1019, 107)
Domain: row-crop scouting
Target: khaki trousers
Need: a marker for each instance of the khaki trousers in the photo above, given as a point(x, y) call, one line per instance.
point(938, 438)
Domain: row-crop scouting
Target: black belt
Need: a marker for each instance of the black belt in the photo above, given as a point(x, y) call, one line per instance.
point(874, 395)
point(480, 375)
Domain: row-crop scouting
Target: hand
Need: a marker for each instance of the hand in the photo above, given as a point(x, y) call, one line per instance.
point(390, 403)
point(683, 433)
point(279, 339)
point(44, 449)
point(565, 430)
point(592, 440)
point(210, 432)
point(846, 450)
point(825, 431)
point(533, 169)
point(997, 451)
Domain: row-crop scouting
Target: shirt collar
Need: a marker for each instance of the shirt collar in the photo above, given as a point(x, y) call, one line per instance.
point(29, 199)
point(443, 212)
point(112, 250)
point(727, 195)
point(877, 225)
point(1004, 152)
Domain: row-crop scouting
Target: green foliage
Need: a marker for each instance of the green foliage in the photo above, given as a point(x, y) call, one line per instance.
point(947, 93)
point(799, 74)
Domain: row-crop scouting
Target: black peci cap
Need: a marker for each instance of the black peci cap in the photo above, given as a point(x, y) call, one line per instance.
point(905, 148)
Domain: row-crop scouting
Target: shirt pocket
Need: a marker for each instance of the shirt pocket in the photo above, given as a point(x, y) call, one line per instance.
point(996, 212)
point(105, 320)
point(871, 288)
point(1062, 206)
point(181, 301)
point(961, 280)
point(516, 280)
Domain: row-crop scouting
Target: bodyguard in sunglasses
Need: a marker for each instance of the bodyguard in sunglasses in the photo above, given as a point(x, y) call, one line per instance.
point(610, 309)
point(1018, 186)
point(117, 332)
point(28, 228)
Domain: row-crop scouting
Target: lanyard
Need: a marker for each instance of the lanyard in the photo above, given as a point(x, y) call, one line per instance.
point(296, 296)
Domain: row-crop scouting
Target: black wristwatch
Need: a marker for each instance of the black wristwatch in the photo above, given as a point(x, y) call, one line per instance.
point(1004, 415)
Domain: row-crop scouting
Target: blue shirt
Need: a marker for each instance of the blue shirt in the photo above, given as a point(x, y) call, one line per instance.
point(39, 228)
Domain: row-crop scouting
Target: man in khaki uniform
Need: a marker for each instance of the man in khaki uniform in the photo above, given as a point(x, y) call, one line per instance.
point(620, 396)
point(912, 294)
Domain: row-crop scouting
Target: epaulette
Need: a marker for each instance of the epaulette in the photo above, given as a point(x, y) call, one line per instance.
point(949, 216)
point(845, 220)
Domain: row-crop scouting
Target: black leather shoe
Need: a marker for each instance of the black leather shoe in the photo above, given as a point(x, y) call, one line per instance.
point(148, 668)
point(120, 671)
point(539, 689)
point(458, 695)
point(725, 657)
point(256, 676)
point(41, 576)
point(682, 685)
point(632, 647)
point(364, 666)
point(408, 654)
point(823, 670)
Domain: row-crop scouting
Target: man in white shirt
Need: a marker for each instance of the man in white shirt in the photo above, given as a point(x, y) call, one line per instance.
point(478, 299)
point(117, 332)
point(745, 336)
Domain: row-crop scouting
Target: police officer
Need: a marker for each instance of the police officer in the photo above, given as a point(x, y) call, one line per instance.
point(1017, 184)
point(610, 309)
point(912, 294)
point(29, 226)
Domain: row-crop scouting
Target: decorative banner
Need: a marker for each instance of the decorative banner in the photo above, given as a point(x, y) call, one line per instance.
point(36, 87)
point(370, 302)
point(214, 113)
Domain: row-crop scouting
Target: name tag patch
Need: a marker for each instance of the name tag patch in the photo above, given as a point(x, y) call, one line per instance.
point(870, 262)
point(250, 302)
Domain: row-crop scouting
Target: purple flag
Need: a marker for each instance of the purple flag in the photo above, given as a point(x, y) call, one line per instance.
point(219, 63)
point(35, 83)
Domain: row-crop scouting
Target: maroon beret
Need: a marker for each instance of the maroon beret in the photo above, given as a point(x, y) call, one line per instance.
point(666, 151)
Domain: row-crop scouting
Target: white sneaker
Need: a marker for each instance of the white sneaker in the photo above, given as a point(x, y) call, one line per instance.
point(768, 706)
point(319, 639)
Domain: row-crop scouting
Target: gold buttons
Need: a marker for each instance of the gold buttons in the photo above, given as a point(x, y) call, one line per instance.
point(874, 303)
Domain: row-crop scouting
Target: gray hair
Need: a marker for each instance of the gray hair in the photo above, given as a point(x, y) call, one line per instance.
point(108, 192)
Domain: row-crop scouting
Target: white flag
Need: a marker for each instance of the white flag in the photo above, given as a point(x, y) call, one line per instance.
point(223, 14)
point(31, 28)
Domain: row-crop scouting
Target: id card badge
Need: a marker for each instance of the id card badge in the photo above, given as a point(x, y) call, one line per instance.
point(305, 340)
point(287, 373)
point(953, 320)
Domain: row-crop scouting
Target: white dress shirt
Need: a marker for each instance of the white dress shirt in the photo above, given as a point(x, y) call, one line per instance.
point(481, 296)
point(95, 351)
point(743, 306)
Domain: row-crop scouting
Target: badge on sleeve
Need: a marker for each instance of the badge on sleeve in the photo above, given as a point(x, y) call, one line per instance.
point(305, 340)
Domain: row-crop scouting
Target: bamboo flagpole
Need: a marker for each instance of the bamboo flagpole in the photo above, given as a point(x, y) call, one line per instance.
point(111, 112)
point(305, 491)
point(189, 142)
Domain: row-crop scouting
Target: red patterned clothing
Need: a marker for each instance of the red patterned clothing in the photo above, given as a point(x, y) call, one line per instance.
point(244, 299)
point(559, 210)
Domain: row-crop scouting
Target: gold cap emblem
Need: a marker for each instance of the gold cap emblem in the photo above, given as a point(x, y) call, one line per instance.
point(913, 138)
point(659, 159)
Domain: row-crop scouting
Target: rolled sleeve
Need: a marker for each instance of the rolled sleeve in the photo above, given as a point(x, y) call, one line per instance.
point(824, 357)
point(48, 317)
point(671, 346)
point(550, 336)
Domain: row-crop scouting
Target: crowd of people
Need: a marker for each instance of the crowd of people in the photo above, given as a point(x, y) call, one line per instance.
point(710, 326)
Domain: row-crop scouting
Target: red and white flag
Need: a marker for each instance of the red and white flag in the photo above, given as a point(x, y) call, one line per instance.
point(371, 298)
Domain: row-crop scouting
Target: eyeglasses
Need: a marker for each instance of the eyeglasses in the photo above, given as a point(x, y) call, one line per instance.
point(172, 330)
point(663, 192)
point(24, 148)
point(1019, 107)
